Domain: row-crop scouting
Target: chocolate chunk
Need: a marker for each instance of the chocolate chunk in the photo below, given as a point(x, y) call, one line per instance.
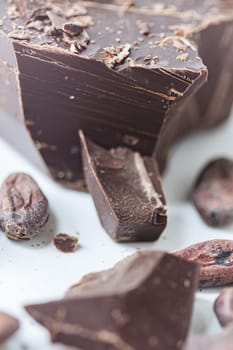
point(116, 92)
point(213, 193)
point(216, 260)
point(223, 307)
point(219, 341)
point(144, 302)
point(8, 326)
point(65, 243)
point(126, 190)
point(23, 207)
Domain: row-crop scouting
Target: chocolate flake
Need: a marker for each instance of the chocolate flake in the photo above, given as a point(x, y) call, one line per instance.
point(144, 28)
point(115, 55)
point(20, 34)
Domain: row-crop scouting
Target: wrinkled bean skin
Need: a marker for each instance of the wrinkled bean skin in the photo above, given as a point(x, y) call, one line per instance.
point(216, 261)
point(23, 207)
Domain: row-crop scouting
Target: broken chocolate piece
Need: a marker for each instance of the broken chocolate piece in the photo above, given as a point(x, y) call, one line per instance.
point(127, 307)
point(8, 326)
point(23, 207)
point(118, 95)
point(219, 341)
point(223, 307)
point(213, 192)
point(216, 260)
point(65, 243)
point(126, 190)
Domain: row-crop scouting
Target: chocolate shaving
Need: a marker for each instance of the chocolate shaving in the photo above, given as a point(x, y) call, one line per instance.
point(115, 55)
point(20, 34)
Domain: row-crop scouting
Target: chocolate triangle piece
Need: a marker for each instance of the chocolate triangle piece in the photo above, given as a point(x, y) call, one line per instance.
point(126, 190)
point(144, 302)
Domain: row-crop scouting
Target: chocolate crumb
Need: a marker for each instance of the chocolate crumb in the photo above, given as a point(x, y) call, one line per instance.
point(183, 57)
point(65, 242)
point(144, 28)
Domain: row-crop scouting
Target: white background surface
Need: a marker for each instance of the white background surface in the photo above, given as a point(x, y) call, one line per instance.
point(31, 273)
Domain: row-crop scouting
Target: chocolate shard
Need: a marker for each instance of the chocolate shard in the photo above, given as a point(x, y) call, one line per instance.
point(65, 243)
point(8, 326)
point(144, 302)
point(219, 341)
point(223, 307)
point(126, 190)
point(121, 87)
point(213, 192)
point(216, 261)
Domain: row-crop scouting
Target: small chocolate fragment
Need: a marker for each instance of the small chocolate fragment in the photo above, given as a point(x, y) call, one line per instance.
point(219, 341)
point(65, 243)
point(223, 307)
point(8, 326)
point(126, 190)
point(144, 302)
point(23, 207)
point(213, 193)
point(216, 260)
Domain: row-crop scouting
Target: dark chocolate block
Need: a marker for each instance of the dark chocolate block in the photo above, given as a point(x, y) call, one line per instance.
point(126, 190)
point(144, 302)
point(8, 326)
point(122, 71)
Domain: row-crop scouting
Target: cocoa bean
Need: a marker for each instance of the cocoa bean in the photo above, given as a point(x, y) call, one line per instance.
point(23, 207)
point(216, 261)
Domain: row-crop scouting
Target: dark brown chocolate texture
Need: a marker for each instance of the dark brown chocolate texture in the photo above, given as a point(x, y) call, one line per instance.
point(216, 261)
point(126, 190)
point(144, 302)
point(213, 192)
point(123, 72)
point(8, 326)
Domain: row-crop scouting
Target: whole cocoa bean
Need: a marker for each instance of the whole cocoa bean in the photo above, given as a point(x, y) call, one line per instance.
point(219, 341)
point(213, 193)
point(216, 260)
point(223, 307)
point(23, 207)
